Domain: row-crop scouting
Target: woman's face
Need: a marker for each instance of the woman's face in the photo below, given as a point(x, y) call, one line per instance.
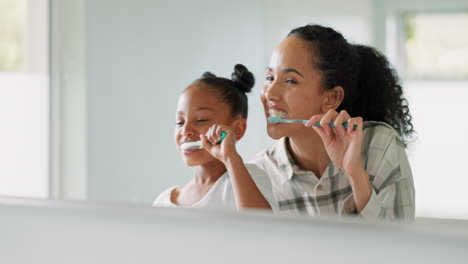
point(198, 109)
point(293, 87)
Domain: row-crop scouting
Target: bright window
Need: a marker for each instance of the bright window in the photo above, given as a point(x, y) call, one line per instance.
point(24, 98)
point(12, 35)
point(436, 46)
point(433, 58)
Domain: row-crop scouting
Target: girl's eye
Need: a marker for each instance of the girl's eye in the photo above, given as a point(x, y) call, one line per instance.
point(201, 120)
point(291, 81)
point(179, 123)
point(269, 78)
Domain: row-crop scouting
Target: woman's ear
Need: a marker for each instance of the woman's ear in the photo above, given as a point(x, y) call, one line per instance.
point(332, 98)
point(239, 126)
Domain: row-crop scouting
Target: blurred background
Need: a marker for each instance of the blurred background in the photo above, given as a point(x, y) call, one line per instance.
point(88, 88)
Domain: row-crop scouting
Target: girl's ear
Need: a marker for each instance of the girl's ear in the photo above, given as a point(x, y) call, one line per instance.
point(332, 98)
point(239, 126)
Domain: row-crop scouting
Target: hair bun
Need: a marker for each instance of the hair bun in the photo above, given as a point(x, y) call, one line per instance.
point(243, 78)
point(208, 75)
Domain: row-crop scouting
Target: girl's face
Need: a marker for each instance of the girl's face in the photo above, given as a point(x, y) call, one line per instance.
point(198, 109)
point(293, 87)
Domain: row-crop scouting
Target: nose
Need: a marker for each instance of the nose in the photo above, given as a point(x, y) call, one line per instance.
point(187, 131)
point(271, 91)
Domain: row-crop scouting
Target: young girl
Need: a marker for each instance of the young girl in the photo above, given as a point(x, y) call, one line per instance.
point(209, 106)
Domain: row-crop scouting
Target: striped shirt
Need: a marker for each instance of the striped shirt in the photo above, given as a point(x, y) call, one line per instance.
point(302, 192)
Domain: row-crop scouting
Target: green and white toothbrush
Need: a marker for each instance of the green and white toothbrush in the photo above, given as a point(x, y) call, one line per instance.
point(198, 144)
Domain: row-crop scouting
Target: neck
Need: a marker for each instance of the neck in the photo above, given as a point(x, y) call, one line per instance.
point(309, 152)
point(209, 173)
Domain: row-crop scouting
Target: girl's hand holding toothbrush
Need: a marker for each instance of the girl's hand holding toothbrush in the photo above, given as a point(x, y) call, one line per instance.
point(224, 150)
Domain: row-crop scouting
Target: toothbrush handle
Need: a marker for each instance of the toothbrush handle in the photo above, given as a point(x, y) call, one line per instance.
point(317, 124)
point(332, 124)
point(294, 121)
point(223, 135)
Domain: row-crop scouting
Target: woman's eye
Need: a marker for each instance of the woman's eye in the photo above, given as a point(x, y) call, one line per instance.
point(179, 123)
point(201, 120)
point(291, 81)
point(269, 78)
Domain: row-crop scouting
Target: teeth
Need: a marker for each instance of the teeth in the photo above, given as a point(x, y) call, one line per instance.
point(191, 145)
point(280, 114)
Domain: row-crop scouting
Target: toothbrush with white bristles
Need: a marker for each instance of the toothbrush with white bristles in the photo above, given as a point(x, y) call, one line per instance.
point(276, 119)
point(198, 144)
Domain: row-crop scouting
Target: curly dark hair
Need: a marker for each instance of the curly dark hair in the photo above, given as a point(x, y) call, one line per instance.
point(371, 85)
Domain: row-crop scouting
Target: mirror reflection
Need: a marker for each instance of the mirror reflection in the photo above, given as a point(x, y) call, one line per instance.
point(104, 113)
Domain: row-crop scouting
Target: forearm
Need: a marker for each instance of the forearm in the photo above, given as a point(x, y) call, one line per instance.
point(362, 189)
point(246, 192)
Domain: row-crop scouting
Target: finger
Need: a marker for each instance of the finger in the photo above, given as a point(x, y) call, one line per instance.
point(209, 136)
point(320, 130)
point(339, 128)
point(326, 119)
point(213, 135)
point(314, 119)
point(218, 131)
point(352, 122)
point(206, 145)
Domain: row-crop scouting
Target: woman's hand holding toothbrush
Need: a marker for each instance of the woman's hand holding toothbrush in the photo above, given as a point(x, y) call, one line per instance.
point(344, 149)
point(343, 145)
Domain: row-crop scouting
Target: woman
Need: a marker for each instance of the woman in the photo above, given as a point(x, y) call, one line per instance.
point(316, 75)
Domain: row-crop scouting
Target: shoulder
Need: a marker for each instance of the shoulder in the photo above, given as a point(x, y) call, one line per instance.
point(262, 155)
point(374, 129)
point(263, 183)
point(164, 198)
point(384, 153)
point(258, 173)
point(379, 135)
point(269, 156)
point(254, 168)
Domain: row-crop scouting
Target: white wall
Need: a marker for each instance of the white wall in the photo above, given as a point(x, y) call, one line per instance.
point(352, 18)
point(140, 55)
point(68, 100)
